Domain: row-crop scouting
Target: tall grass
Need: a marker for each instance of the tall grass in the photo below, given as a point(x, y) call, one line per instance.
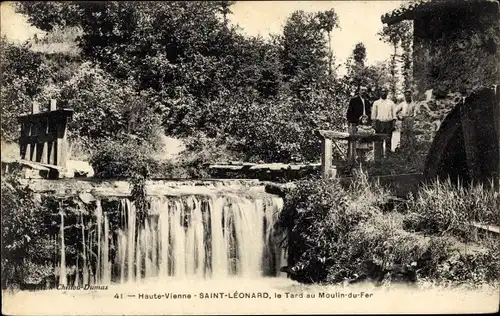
point(332, 229)
point(442, 207)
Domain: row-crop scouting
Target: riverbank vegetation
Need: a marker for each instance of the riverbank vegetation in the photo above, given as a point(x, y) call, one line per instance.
point(333, 230)
point(26, 246)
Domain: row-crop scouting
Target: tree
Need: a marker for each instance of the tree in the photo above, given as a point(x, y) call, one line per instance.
point(24, 72)
point(359, 54)
point(399, 35)
point(182, 63)
point(224, 9)
point(47, 15)
point(373, 76)
point(304, 51)
point(105, 107)
point(328, 20)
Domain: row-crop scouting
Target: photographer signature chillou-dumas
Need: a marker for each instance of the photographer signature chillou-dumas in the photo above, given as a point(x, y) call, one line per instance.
point(61, 287)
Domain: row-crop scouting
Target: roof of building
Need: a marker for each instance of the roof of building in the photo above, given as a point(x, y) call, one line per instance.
point(411, 9)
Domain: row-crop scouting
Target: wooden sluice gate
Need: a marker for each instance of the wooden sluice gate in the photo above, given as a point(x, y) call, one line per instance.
point(44, 135)
point(43, 145)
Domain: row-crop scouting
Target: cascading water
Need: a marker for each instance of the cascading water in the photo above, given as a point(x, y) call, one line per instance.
point(190, 236)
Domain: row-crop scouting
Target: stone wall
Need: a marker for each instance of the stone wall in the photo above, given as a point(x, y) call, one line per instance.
point(457, 47)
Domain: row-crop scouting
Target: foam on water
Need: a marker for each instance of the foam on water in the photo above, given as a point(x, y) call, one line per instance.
point(182, 237)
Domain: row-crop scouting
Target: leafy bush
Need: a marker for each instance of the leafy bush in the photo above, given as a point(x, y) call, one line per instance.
point(320, 215)
point(25, 239)
point(125, 159)
point(310, 212)
point(408, 158)
point(24, 73)
point(471, 264)
point(201, 151)
point(333, 229)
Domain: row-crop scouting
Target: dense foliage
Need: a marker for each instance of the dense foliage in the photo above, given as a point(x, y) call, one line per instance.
point(148, 59)
point(400, 37)
point(23, 75)
point(333, 229)
point(26, 248)
point(321, 215)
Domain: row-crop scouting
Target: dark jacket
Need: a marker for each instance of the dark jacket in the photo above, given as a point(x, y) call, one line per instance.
point(355, 110)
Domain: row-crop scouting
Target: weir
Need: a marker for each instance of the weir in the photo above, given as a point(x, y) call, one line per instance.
point(199, 235)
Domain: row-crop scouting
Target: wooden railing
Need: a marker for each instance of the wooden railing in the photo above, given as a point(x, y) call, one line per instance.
point(330, 138)
point(44, 135)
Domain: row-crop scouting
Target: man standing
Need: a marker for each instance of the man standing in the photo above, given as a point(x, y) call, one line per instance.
point(403, 113)
point(382, 114)
point(406, 108)
point(358, 106)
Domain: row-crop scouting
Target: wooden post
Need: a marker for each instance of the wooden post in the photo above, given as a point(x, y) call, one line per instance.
point(351, 153)
point(61, 143)
point(52, 144)
point(28, 128)
point(53, 105)
point(42, 137)
point(326, 157)
point(52, 133)
point(35, 107)
point(378, 150)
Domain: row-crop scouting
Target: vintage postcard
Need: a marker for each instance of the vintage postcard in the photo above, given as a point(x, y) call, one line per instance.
point(250, 157)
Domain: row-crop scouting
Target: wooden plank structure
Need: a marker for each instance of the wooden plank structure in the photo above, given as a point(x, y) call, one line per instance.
point(44, 135)
point(330, 138)
point(466, 147)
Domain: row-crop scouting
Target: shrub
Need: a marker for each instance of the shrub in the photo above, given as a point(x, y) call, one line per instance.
point(333, 229)
point(466, 263)
point(408, 158)
point(316, 213)
point(201, 151)
point(320, 215)
point(126, 159)
point(25, 240)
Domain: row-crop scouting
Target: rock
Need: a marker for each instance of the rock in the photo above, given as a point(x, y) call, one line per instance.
point(279, 189)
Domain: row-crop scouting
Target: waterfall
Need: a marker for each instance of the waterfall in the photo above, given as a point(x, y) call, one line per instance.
point(62, 264)
point(186, 236)
point(105, 275)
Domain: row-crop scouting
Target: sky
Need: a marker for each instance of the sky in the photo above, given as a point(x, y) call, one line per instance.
point(359, 22)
